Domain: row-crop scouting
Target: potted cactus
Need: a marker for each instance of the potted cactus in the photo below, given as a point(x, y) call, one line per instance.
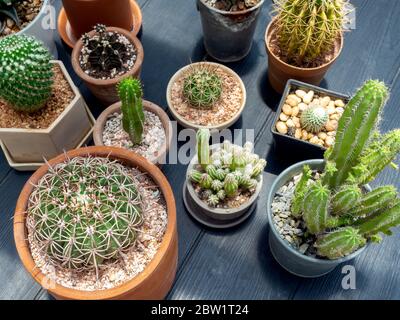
point(39, 105)
point(98, 223)
point(206, 94)
point(135, 124)
point(103, 57)
point(228, 27)
point(223, 181)
point(304, 39)
point(323, 212)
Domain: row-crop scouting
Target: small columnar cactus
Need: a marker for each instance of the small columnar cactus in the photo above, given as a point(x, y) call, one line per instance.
point(202, 86)
point(85, 212)
point(26, 74)
point(336, 207)
point(130, 92)
point(314, 119)
point(228, 171)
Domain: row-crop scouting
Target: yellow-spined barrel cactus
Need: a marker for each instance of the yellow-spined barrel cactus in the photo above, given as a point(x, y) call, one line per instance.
point(226, 171)
point(26, 74)
point(336, 208)
point(307, 29)
point(85, 212)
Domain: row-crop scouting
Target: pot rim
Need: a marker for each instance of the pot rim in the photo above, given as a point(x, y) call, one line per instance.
point(100, 82)
point(267, 45)
point(220, 211)
point(148, 106)
point(122, 155)
point(271, 195)
point(235, 13)
point(191, 125)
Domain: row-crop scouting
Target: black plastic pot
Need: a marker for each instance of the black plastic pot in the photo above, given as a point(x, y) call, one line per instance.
point(228, 36)
point(289, 146)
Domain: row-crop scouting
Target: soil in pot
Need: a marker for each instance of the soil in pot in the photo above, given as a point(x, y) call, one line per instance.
point(112, 272)
point(231, 6)
point(27, 11)
point(226, 108)
point(292, 123)
point(61, 97)
point(153, 139)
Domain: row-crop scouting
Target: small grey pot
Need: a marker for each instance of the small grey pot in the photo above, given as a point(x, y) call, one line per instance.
point(218, 213)
point(288, 257)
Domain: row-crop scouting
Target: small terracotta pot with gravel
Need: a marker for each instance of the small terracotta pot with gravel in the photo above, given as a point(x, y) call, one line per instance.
point(103, 57)
point(123, 208)
point(206, 95)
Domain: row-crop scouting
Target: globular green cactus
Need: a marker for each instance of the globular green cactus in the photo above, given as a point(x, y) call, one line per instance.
point(85, 212)
point(202, 86)
point(314, 119)
point(130, 93)
point(345, 199)
point(306, 30)
point(26, 74)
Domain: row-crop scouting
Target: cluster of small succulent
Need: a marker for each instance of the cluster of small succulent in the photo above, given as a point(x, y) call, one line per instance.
point(7, 10)
point(308, 29)
point(227, 171)
point(85, 212)
point(26, 74)
point(130, 93)
point(202, 86)
point(314, 118)
point(336, 208)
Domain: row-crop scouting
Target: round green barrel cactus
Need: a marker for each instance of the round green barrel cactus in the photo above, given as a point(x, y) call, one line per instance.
point(85, 212)
point(26, 74)
point(314, 118)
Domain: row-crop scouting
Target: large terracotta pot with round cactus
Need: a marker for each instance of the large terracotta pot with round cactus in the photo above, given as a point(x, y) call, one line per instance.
point(98, 223)
point(304, 48)
point(322, 212)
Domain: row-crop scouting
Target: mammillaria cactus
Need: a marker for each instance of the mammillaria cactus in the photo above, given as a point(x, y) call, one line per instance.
point(130, 92)
point(314, 118)
point(202, 86)
point(336, 207)
point(228, 171)
point(85, 212)
point(26, 74)
point(306, 30)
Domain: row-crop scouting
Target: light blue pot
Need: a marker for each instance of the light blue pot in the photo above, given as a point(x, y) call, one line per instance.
point(289, 258)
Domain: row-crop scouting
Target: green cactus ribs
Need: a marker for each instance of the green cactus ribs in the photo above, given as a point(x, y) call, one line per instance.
point(85, 212)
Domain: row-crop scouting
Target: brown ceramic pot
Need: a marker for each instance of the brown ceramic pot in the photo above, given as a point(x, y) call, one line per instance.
point(105, 90)
point(156, 279)
point(84, 14)
point(148, 106)
point(280, 72)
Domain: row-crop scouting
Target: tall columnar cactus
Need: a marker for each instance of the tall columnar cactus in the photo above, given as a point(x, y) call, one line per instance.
point(85, 212)
point(203, 147)
point(130, 92)
point(307, 29)
point(202, 86)
point(26, 74)
point(337, 208)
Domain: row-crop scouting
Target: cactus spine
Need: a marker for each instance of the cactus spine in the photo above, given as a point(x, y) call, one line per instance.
point(130, 94)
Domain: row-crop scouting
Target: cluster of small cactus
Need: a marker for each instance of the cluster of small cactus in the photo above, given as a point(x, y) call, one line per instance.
point(26, 74)
point(308, 29)
point(8, 11)
point(130, 93)
point(85, 212)
point(226, 171)
point(202, 86)
point(336, 208)
point(314, 118)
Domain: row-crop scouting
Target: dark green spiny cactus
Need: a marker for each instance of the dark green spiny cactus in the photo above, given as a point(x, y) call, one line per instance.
point(26, 74)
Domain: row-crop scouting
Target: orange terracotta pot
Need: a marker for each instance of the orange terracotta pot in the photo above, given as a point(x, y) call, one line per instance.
point(105, 90)
point(156, 279)
point(280, 72)
point(84, 14)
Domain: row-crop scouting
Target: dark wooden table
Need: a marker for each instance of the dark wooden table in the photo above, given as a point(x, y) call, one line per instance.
point(237, 263)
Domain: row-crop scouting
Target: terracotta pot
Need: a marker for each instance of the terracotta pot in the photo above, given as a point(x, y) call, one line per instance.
point(105, 90)
point(148, 106)
point(84, 14)
point(156, 279)
point(280, 72)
